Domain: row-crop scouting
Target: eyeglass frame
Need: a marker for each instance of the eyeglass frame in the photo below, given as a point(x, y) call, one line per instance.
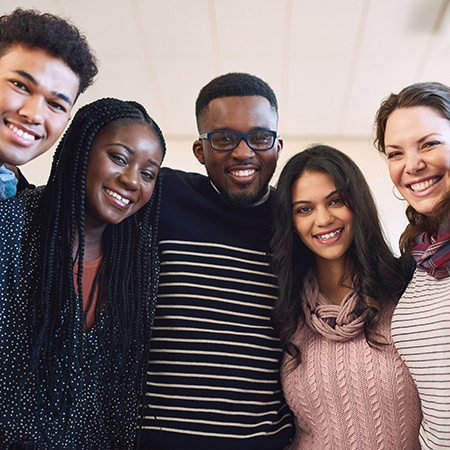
point(207, 136)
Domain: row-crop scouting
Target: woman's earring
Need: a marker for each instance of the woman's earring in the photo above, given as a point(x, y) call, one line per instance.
point(397, 196)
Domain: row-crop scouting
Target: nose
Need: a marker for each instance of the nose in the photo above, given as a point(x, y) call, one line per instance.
point(323, 217)
point(33, 110)
point(242, 152)
point(413, 162)
point(129, 178)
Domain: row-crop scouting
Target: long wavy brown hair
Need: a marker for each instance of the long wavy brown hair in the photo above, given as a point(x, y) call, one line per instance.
point(376, 275)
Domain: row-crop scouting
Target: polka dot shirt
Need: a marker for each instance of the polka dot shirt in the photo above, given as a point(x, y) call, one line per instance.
point(93, 419)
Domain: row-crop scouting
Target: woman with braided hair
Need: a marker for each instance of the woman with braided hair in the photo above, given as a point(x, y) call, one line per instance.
point(79, 274)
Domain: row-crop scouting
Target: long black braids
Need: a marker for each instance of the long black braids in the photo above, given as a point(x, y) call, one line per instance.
point(127, 283)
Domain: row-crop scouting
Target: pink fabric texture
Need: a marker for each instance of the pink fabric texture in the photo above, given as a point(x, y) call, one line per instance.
point(345, 394)
point(338, 323)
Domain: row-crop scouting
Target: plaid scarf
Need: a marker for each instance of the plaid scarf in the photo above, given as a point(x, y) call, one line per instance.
point(433, 254)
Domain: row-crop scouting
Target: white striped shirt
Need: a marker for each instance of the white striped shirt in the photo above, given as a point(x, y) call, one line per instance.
point(421, 332)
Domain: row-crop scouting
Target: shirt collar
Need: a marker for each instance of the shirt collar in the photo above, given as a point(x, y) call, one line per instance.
point(262, 200)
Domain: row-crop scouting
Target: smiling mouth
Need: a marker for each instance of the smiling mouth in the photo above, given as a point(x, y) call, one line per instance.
point(328, 236)
point(21, 133)
point(125, 201)
point(423, 185)
point(242, 173)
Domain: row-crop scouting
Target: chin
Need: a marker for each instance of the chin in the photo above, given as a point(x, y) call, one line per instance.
point(242, 200)
point(424, 208)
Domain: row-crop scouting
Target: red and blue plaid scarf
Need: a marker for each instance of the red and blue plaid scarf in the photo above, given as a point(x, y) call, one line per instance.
point(433, 254)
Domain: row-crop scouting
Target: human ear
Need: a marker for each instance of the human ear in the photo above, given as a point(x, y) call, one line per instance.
point(279, 146)
point(197, 148)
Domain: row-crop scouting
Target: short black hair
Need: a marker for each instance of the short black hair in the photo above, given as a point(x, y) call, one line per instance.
point(234, 84)
point(53, 34)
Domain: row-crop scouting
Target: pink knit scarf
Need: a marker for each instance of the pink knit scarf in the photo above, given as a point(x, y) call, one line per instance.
point(338, 323)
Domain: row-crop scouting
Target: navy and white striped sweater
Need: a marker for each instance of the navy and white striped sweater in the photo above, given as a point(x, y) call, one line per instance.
point(213, 379)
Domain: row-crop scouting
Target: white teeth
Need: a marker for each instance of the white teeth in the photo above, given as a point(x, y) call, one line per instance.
point(243, 173)
point(328, 236)
point(419, 187)
point(117, 196)
point(21, 133)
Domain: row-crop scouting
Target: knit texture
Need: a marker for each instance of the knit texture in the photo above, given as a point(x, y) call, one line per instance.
point(347, 395)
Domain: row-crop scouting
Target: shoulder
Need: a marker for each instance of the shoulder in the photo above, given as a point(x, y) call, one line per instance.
point(16, 209)
point(179, 186)
point(23, 182)
point(179, 176)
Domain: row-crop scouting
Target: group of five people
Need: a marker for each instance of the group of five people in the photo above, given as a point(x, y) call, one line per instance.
point(153, 308)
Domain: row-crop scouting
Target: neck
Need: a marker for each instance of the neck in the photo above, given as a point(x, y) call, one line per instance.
point(92, 243)
point(257, 202)
point(11, 168)
point(329, 273)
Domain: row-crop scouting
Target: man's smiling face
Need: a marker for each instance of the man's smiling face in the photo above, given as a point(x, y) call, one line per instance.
point(241, 175)
point(37, 92)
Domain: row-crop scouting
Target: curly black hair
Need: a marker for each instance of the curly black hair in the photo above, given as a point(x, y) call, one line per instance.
point(53, 34)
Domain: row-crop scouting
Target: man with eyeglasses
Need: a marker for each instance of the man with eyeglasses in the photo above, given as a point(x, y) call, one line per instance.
point(213, 378)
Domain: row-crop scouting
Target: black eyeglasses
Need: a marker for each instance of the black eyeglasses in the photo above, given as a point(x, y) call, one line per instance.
point(224, 140)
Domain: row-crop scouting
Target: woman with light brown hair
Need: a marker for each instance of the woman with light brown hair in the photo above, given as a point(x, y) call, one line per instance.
point(413, 131)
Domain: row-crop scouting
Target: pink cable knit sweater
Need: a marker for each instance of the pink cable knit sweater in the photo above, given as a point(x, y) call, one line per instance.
point(345, 394)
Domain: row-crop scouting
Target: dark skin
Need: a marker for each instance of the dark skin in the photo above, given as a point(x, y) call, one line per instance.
point(123, 165)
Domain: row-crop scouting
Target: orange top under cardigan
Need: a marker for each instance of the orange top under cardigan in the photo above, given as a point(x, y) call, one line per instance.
point(90, 269)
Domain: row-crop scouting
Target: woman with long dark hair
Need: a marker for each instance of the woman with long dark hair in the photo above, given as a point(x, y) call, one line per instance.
point(413, 132)
point(339, 283)
point(78, 289)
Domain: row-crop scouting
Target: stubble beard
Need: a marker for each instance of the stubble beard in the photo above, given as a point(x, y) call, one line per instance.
point(243, 200)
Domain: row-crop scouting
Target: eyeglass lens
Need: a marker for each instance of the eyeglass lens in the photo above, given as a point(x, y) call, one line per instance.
point(228, 140)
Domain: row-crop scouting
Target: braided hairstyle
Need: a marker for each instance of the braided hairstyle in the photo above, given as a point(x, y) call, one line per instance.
point(127, 285)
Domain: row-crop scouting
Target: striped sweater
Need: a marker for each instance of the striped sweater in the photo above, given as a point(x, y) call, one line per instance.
point(421, 332)
point(213, 379)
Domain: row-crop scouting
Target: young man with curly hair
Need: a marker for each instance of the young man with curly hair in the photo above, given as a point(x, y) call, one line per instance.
point(45, 63)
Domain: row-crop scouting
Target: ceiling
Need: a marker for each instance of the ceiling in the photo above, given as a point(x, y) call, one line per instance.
point(330, 62)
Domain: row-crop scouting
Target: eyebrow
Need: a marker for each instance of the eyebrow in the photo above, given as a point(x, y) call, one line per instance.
point(36, 83)
point(420, 141)
point(132, 151)
point(307, 201)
